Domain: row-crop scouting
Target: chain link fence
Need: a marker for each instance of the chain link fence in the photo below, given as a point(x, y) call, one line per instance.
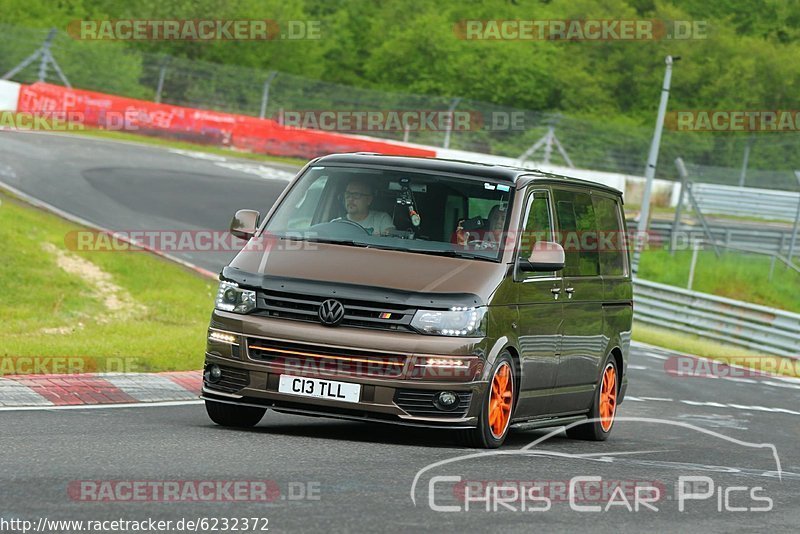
point(610, 146)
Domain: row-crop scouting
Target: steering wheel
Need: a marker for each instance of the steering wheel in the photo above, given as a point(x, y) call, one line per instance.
point(352, 223)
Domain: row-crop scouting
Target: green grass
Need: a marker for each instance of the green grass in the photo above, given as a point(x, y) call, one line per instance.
point(183, 145)
point(36, 294)
point(733, 275)
point(695, 345)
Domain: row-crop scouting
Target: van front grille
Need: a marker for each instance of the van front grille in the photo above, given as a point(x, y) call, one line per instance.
point(310, 360)
point(358, 313)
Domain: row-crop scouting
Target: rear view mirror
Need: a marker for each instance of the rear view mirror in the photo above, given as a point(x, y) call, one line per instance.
point(245, 223)
point(546, 256)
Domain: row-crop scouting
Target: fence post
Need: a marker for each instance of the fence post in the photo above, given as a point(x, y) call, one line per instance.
point(745, 159)
point(449, 129)
point(796, 222)
point(161, 74)
point(692, 266)
point(265, 94)
point(676, 223)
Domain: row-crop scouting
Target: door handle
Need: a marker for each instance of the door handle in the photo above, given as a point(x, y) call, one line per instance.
point(570, 291)
point(555, 291)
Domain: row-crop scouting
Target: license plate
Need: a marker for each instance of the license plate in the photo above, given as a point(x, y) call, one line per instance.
point(320, 389)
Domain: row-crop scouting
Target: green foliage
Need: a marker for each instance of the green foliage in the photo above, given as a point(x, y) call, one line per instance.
point(747, 60)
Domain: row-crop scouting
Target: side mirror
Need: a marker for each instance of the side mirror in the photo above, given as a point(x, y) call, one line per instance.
point(245, 223)
point(546, 256)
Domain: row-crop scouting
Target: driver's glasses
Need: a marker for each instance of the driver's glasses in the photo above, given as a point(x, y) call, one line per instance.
point(356, 196)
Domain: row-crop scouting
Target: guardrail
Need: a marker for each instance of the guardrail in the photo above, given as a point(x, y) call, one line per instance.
point(766, 239)
point(765, 330)
point(746, 201)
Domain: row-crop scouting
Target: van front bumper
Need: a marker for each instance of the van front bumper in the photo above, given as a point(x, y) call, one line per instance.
point(397, 383)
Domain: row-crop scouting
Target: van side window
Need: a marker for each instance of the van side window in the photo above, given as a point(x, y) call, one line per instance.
point(576, 222)
point(538, 226)
point(611, 239)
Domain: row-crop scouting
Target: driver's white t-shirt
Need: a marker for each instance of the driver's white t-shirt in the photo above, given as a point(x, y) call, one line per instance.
point(376, 222)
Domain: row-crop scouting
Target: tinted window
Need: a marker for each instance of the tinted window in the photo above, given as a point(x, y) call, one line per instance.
point(610, 238)
point(538, 227)
point(576, 221)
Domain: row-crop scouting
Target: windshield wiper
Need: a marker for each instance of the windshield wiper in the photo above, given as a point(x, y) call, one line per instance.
point(346, 242)
point(451, 254)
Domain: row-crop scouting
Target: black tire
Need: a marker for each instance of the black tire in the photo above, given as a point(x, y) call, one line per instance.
point(483, 436)
point(233, 415)
point(597, 429)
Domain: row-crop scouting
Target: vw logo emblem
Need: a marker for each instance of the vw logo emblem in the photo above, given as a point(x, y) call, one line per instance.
point(331, 312)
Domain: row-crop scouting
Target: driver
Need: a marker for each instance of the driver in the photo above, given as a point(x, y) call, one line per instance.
point(357, 200)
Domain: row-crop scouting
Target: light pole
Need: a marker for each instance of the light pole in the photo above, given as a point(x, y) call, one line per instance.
point(652, 160)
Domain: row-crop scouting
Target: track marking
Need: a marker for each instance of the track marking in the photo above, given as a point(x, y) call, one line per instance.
point(160, 404)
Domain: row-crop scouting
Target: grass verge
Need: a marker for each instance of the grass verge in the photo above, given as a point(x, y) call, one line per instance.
point(733, 275)
point(697, 346)
point(123, 311)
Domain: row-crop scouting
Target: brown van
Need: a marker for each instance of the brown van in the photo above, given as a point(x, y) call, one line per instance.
point(426, 292)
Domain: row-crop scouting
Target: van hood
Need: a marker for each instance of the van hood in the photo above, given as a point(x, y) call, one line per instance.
point(266, 261)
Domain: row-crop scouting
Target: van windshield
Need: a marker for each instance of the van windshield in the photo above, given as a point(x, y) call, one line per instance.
point(396, 209)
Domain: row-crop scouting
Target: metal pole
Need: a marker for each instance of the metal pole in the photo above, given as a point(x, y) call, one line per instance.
point(548, 145)
point(676, 222)
point(449, 129)
point(744, 161)
point(162, 73)
point(652, 161)
point(692, 266)
point(45, 55)
point(796, 222)
point(265, 95)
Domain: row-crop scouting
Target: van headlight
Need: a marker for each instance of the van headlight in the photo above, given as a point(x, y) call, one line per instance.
point(233, 299)
point(457, 321)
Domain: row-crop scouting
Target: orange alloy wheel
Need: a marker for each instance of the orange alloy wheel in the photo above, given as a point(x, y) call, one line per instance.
point(502, 396)
point(608, 398)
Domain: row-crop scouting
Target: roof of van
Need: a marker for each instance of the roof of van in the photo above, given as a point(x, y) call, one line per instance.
point(484, 170)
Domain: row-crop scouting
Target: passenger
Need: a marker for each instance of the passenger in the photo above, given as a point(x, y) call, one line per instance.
point(358, 198)
point(497, 221)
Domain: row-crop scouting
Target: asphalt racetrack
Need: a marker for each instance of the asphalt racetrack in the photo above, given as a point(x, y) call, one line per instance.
point(690, 454)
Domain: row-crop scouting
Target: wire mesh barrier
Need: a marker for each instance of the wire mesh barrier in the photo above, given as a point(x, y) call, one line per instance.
point(602, 145)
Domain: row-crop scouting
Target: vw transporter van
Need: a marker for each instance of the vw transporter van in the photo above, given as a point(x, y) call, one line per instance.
point(426, 292)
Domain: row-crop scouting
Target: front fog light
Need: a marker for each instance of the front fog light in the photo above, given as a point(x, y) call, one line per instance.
point(213, 374)
point(447, 400)
point(231, 298)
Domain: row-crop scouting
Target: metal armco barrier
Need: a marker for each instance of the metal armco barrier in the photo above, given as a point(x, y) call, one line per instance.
point(746, 201)
point(762, 329)
point(767, 238)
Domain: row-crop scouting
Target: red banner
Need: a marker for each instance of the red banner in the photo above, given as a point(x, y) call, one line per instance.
point(242, 132)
